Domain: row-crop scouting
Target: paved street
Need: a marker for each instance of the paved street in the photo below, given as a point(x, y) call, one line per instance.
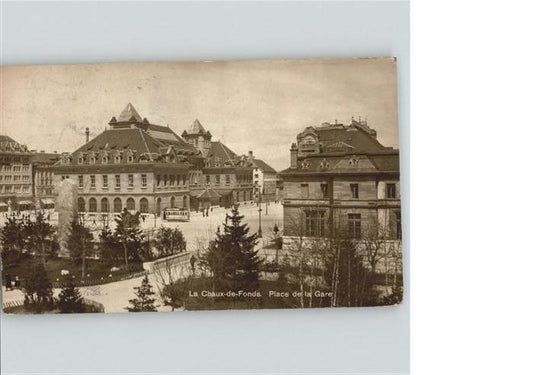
point(200, 228)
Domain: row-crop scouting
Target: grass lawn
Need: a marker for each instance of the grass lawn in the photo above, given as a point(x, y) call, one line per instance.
point(95, 269)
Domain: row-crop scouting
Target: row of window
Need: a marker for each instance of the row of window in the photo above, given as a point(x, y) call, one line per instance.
point(117, 205)
point(390, 190)
point(15, 178)
point(13, 159)
point(105, 181)
point(15, 168)
point(315, 220)
point(227, 179)
point(14, 188)
point(105, 159)
point(46, 181)
point(169, 180)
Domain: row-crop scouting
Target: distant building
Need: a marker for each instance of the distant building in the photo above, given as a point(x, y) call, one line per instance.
point(264, 179)
point(134, 165)
point(43, 178)
point(15, 175)
point(223, 178)
point(342, 180)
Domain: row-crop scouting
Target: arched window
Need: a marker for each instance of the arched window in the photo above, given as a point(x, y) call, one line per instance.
point(117, 205)
point(105, 205)
point(81, 205)
point(144, 205)
point(172, 202)
point(185, 201)
point(130, 204)
point(243, 195)
point(92, 205)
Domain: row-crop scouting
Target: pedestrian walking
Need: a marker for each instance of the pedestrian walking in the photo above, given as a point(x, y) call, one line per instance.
point(8, 282)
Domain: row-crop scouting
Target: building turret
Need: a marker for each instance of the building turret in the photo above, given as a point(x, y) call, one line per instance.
point(198, 137)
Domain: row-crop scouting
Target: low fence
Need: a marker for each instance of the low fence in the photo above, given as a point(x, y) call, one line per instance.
point(175, 260)
point(9, 304)
point(100, 281)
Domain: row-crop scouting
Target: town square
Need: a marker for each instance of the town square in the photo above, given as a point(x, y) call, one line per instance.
point(144, 214)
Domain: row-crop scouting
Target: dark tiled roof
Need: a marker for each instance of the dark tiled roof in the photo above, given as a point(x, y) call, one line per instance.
point(258, 163)
point(121, 139)
point(361, 141)
point(44, 158)
point(167, 136)
point(220, 153)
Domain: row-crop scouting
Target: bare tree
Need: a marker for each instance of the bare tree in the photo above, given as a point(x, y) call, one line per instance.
point(375, 242)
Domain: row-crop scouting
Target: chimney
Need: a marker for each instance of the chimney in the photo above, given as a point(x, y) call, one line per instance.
point(294, 156)
point(86, 135)
point(250, 154)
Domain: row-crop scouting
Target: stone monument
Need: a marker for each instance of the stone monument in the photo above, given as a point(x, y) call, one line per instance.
point(67, 208)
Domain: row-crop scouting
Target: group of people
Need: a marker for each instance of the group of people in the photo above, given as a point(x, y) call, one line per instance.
point(12, 284)
point(205, 212)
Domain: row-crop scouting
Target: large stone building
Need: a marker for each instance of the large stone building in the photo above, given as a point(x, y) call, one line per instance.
point(341, 180)
point(134, 165)
point(146, 167)
point(15, 175)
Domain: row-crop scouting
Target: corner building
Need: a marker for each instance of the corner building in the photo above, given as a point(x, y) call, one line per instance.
point(342, 179)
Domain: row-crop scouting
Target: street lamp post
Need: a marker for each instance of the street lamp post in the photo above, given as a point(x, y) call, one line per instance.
point(259, 231)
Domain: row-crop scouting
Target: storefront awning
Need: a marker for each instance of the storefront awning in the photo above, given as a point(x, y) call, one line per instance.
point(25, 203)
point(47, 201)
point(2, 204)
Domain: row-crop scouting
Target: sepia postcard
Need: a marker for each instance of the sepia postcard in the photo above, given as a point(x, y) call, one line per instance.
point(200, 186)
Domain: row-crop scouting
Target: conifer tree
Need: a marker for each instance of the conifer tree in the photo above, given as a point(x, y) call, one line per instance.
point(12, 241)
point(231, 256)
point(128, 234)
point(70, 300)
point(144, 300)
point(80, 244)
point(38, 289)
point(40, 236)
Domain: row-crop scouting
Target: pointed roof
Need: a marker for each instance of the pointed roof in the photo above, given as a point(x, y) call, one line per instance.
point(258, 163)
point(196, 128)
point(222, 153)
point(129, 114)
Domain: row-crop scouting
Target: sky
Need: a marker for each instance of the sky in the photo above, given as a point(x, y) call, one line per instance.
point(248, 105)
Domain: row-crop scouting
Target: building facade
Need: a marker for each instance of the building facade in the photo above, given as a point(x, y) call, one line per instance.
point(43, 178)
point(342, 181)
point(145, 167)
point(15, 175)
point(264, 179)
point(134, 165)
